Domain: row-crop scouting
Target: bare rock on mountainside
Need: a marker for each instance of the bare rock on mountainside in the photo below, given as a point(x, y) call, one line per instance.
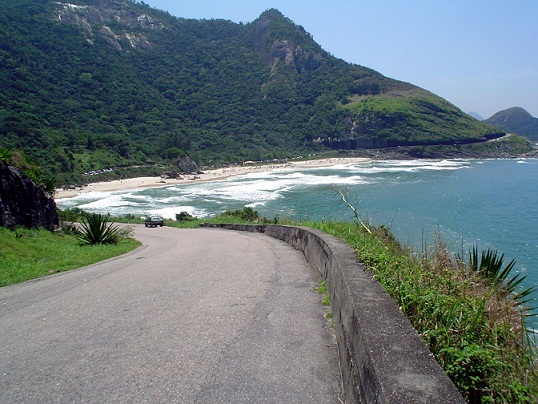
point(23, 203)
point(187, 166)
point(98, 19)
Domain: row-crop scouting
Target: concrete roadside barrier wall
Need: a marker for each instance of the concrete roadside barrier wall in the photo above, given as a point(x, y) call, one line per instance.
point(382, 358)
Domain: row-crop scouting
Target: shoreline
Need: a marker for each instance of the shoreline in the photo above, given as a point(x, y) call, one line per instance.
point(209, 175)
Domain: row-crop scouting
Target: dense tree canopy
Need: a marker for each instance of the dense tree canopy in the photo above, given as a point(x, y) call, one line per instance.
point(105, 83)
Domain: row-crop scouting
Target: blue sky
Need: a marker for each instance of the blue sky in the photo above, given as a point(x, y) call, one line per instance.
point(481, 55)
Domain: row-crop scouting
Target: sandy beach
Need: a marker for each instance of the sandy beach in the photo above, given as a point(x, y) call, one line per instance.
point(210, 175)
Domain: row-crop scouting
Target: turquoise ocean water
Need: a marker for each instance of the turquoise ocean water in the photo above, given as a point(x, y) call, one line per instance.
point(490, 203)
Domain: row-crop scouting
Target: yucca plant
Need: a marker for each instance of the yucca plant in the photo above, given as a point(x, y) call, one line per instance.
point(48, 183)
point(490, 267)
point(96, 229)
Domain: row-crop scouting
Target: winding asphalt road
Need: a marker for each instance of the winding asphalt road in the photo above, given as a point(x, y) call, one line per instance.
point(194, 316)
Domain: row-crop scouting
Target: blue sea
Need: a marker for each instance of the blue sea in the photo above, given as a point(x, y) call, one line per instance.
point(488, 203)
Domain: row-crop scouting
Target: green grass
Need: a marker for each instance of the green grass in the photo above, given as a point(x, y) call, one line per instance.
point(421, 119)
point(322, 290)
point(190, 224)
point(29, 254)
point(325, 300)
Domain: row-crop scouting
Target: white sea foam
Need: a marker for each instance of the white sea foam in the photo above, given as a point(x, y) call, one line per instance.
point(344, 167)
point(174, 199)
point(81, 198)
point(274, 186)
point(256, 204)
point(108, 201)
point(253, 189)
point(409, 166)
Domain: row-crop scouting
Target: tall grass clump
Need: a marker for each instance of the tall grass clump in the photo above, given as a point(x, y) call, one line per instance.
point(96, 229)
point(471, 314)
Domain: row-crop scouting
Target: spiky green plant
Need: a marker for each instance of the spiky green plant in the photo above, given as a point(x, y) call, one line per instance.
point(96, 229)
point(49, 183)
point(490, 267)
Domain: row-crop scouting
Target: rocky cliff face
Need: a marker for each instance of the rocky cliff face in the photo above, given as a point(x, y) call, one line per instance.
point(23, 203)
point(120, 26)
point(284, 55)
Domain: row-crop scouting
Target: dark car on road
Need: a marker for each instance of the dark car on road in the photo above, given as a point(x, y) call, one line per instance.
point(154, 221)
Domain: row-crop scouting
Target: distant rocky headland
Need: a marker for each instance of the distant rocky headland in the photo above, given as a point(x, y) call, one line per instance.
point(517, 121)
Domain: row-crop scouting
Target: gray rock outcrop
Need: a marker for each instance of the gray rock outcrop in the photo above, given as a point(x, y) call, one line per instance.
point(121, 26)
point(23, 203)
point(187, 166)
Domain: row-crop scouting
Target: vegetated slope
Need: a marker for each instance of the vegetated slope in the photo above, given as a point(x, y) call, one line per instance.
point(516, 120)
point(476, 115)
point(96, 83)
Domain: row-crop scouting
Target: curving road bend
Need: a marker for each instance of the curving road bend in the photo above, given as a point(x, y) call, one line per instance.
point(194, 316)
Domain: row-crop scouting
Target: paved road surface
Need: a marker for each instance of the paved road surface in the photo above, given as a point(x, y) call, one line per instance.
point(197, 316)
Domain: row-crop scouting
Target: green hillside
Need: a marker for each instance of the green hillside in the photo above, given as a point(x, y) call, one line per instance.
point(516, 120)
point(92, 84)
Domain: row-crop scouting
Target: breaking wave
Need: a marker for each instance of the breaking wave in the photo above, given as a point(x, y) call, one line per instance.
point(254, 189)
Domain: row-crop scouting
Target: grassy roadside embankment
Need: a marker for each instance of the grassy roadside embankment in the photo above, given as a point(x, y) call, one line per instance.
point(29, 254)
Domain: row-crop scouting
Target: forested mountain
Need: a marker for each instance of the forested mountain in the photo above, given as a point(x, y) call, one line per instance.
point(516, 120)
point(88, 84)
